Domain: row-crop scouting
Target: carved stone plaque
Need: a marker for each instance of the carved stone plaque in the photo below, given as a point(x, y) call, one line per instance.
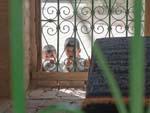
point(116, 52)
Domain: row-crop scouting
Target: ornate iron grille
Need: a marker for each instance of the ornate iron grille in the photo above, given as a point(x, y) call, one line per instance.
point(85, 20)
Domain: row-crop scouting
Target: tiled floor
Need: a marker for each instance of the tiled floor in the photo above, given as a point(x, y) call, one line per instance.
point(39, 99)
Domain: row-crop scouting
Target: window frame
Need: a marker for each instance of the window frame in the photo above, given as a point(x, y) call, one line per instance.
point(79, 78)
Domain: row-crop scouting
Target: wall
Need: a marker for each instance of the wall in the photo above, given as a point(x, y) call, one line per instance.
point(4, 50)
point(5, 78)
point(27, 41)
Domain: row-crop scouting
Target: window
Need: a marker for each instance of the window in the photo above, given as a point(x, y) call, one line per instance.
point(84, 20)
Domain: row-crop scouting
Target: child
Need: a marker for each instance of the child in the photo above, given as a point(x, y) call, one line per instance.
point(80, 63)
point(49, 59)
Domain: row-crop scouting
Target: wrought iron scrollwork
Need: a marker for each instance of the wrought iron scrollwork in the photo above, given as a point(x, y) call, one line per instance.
point(66, 27)
point(101, 12)
point(82, 18)
point(84, 26)
point(49, 28)
point(49, 12)
point(65, 13)
point(85, 12)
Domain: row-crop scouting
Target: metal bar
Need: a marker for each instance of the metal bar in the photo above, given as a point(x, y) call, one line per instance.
point(75, 30)
point(82, 43)
point(58, 28)
point(17, 56)
point(127, 14)
point(92, 27)
point(109, 26)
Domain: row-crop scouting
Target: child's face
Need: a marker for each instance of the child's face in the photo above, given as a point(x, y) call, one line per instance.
point(70, 52)
point(49, 55)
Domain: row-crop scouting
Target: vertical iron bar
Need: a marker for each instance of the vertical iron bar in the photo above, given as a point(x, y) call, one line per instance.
point(110, 11)
point(92, 27)
point(17, 55)
point(58, 28)
point(75, 30)
point(127, 14)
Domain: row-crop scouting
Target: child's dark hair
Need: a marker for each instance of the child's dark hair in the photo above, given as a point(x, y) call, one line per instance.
point(49, 48)
point(70, 42)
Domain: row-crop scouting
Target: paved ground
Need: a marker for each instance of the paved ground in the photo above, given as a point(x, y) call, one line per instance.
point(39, 99)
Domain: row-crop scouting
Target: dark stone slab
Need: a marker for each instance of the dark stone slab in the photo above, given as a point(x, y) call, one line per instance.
point(116, 51)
